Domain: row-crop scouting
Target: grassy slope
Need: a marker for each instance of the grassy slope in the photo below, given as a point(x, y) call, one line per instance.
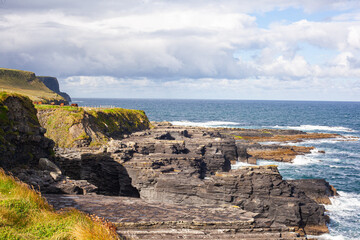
point(24, 214)
point(27, 84)
point(65, 125)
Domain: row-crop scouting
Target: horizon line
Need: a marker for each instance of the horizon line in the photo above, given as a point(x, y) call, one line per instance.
point(220, 99)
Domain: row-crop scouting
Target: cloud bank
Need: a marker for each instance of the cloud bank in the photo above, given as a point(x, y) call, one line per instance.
point(197, 49)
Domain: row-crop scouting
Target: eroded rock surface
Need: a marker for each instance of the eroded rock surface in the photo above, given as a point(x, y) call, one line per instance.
point(317, 189)
point(139, 219)
point(177, 165)
point(22, 140)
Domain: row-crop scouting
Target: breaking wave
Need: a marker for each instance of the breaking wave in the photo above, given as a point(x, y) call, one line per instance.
point(317, 128)
point(304, 160)
point(206, 124)
point(240, 164)
point(344, 210)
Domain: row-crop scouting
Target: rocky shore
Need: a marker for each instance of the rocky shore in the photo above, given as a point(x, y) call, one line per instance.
point(170, 181)
point(191, 168)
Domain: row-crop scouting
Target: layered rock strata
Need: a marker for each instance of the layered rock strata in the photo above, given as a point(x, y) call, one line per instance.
point(139, 219)
point(317, 189)
point(192, 166)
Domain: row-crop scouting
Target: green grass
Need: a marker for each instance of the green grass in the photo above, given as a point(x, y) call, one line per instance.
point(118, 119)
point(66, 125)
point(26, 83)
point(237, 137)
point(58, 121)
point(24, 214)
point(68, 108)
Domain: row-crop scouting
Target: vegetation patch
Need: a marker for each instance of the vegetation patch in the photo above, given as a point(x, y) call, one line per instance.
point(71, 126)
point(58, 122)
point(237, 137)
point(119, 120)
point(24, 214)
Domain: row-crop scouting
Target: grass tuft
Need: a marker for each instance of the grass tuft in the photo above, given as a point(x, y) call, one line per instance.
point(24, 214)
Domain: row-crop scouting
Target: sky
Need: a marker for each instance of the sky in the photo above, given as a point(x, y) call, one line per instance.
point(197, 49)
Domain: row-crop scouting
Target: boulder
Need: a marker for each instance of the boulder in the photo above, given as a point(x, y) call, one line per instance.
point(46, 164)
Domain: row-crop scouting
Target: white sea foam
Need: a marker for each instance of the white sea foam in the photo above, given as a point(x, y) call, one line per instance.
point(299, 160)
point(329, 237)
point(240, 164)
point(344, 210)
point(304, 160)
point(344, 205)
point(317, 128)
point(315, 151)
point(319, 141)
point(206, 124)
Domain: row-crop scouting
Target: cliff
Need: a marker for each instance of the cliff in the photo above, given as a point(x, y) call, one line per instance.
point(189, 168)
point(26, 83)
point(22, 140)
point(53, 84)
point(76, 126)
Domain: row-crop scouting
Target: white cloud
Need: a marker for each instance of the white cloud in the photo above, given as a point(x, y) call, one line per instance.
point(103, 45)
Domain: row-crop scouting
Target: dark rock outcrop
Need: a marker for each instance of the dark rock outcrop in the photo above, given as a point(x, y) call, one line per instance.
point(53, 84)
point(25, 151)
point(46, 182)
point(22, 140)
point(110, 177)
point(317, 189)
point(139, 219)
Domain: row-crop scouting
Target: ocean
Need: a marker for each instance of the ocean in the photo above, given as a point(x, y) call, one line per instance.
point(340, 165)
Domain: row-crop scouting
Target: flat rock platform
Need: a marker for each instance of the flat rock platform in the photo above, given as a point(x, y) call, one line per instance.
point(139, 219)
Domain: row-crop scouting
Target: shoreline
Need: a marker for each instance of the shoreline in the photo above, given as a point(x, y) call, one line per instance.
point(175, 139)
point(176, 166)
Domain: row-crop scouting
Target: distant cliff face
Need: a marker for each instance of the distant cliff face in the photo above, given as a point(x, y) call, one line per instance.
point(50, 82)
point(53, 84)
point(22, 140)
point(28, 84)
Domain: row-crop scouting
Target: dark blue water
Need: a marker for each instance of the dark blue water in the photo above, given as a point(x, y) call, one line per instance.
point(340, 165)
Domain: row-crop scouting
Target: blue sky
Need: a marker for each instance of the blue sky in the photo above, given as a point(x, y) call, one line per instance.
point(290, 15)
point(292, 50)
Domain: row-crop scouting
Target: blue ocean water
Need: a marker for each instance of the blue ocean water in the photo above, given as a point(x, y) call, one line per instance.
point(340, 165)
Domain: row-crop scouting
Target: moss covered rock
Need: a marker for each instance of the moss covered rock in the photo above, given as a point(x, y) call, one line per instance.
point(76, 126)
point(22, 140)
